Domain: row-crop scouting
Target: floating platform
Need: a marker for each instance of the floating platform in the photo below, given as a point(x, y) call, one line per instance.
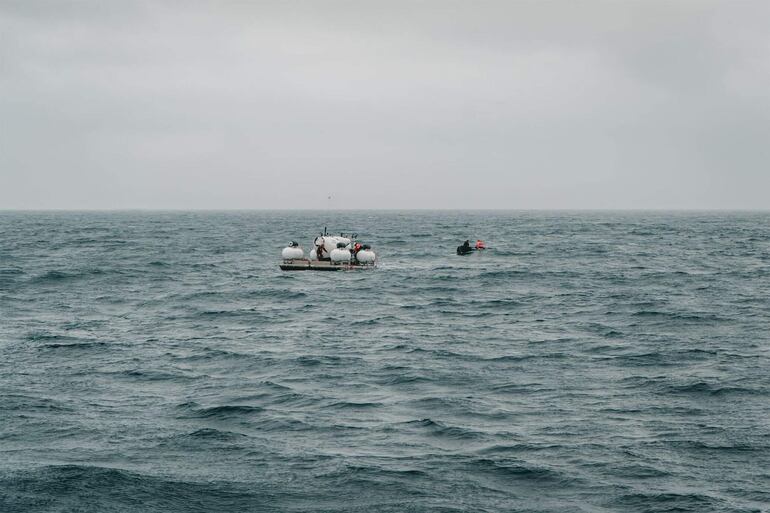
point(322, 265)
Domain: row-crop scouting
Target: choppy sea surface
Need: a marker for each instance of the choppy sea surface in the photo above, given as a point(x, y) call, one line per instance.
point(589, 361)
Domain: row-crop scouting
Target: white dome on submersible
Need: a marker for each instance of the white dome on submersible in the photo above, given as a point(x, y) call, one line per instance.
point(340, 255)
point(292, 252)
point(366, 256)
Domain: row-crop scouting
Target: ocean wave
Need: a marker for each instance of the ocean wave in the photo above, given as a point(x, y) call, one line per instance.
point(289, 399)
point(525, 357)
point(45, 341)
point(504, 304)
point(277, 294)
point(354, 405)
point(499, 449)
point(680, 316)
point(668, 501)
point(663, 385)
point(642, 359)
point(205, 435)
point(208, 353)
point(670, 410)
point(94, 488)
point(442, 430)
point(699, 445)
point(85, 346)
point(27, 403)
point(518, 388)
point(506, 273)
point(328, 360)
point(43, 336)
point(10, 275)
point(156, 375)
point(375, 473)
point(458, 407)
point(274, 386)
point(520, 471)
point(385, 319)
point(250, 313)
point(662, 358)
point(56, 276)
point(404, 379)
point(638, 471)
point(284, 424)
point(437, 353)
point(223, 412)
point(711, 389)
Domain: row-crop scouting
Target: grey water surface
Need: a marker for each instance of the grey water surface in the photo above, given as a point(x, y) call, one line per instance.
point(588, 361)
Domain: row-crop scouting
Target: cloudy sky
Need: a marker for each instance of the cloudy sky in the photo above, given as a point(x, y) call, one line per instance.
point(385, 104)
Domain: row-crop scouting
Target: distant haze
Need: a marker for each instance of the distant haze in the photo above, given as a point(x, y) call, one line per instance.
point(387, 104)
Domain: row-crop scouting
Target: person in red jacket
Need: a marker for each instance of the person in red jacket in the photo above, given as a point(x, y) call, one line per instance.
point(480, 244)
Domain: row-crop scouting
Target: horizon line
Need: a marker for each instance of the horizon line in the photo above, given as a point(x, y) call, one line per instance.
point(411, 209)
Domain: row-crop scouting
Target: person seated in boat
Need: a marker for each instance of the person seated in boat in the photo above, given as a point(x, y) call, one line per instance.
point(480, 244)
point(465, 248)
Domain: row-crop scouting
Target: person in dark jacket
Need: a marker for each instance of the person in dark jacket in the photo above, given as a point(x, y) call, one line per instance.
point(465, 248)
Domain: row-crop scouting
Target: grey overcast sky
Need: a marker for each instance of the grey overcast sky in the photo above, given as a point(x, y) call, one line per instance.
point(385, 104)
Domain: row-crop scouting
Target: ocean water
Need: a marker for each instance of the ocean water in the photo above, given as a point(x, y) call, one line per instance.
point(161, 362)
